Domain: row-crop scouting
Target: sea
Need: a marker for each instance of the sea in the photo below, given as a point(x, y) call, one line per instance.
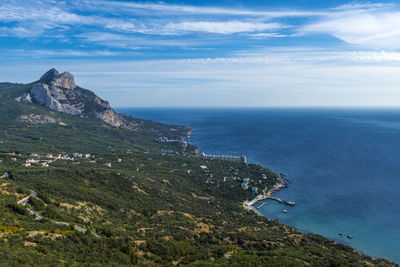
point(343, 165)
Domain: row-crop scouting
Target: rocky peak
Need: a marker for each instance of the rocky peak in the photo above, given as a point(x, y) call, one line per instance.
point(63, 80)
point(58, 92)
point(49, 75)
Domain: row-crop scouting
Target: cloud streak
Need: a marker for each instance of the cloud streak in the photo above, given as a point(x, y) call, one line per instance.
point(227, 27)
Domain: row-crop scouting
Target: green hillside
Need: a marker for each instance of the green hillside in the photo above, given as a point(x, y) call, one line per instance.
point(152, 206)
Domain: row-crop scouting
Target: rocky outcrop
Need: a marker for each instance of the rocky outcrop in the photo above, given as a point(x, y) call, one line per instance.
point(60, 93)
point(24, 98)
point(111, 117)
point(36, 118)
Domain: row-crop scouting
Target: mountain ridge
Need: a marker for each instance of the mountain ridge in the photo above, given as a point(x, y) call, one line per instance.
point(58, 92)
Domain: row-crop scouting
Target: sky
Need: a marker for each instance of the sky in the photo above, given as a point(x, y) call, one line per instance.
point(226, 53)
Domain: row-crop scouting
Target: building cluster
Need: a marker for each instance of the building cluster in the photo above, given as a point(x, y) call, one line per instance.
point(245, 186)
point(239, 159)
point(164, 139)
point(44, 161)
point(245, 182)
point(79, 155)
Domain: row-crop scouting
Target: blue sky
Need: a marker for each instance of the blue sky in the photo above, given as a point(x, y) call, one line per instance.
point(216, 53)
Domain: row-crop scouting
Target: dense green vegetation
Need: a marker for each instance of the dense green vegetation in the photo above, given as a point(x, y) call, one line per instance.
point(151, 207)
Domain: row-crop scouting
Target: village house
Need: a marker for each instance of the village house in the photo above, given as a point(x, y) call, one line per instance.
point(31, 160)
point(204, 167)
point(108, 164)
point(245, 183)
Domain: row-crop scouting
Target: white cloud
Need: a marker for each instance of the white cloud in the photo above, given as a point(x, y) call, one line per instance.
point(192, 10)
point(59, 53)
point(227, 27)
point(19, 32)
point(134, 42)
point(363, 6)
point(306, 56)
point(372, 29)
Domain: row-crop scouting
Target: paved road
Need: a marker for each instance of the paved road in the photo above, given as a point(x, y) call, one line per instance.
point(33, 193)
point(25, 199)
point(80, 229)
point(37, 215)
point(63, 223)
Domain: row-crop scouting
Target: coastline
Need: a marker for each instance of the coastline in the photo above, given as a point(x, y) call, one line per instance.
point(269, 191)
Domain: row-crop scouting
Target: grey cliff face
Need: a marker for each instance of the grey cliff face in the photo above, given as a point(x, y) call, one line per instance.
point(59, 92)
point(54, 98)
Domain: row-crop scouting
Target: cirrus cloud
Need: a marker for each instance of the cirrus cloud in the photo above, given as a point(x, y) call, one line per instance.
point(227, 27)
point(366, 28)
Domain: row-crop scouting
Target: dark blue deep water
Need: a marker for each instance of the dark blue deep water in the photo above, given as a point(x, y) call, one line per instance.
point(343, 165)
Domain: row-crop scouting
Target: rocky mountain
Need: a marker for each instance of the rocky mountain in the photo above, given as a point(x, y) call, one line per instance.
point(59, 92)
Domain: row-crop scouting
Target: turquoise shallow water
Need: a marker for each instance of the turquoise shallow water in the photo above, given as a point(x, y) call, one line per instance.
point(343, 165)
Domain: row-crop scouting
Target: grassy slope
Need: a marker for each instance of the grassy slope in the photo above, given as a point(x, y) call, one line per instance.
point(151, 207)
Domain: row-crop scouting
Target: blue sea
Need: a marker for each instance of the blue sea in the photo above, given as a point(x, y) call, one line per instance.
point(343, 165)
